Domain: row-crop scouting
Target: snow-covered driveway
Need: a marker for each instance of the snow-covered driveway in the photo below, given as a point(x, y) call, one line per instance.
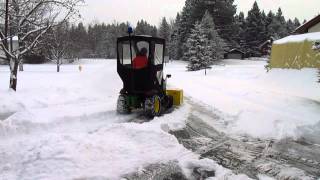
point(64, 126)
point(250, 101)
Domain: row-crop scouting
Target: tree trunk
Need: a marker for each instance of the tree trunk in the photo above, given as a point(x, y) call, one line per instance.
point(21, 66)
point(6, 28)
point(14, 63)
point(58, 65)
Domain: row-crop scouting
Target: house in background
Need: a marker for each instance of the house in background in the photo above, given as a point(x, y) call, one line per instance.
point(296, 52)
point(309, 27)
point(299, 50)
point(234, 54)
point(265, 47)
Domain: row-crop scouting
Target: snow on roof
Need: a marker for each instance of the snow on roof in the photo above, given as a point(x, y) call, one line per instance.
point(299, 38)
point(235, 49)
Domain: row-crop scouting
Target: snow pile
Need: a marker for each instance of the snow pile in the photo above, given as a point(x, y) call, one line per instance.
point(64, 126)
point(251, 101)
point(299, 38)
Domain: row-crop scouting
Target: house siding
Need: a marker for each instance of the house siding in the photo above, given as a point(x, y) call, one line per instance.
point(234, 56)
point(315, 28)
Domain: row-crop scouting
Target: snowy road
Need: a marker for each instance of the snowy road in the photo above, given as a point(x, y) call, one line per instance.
point(64, 126)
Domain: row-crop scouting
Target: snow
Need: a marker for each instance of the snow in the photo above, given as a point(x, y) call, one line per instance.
point(15, 38)
point(250, 101)
point(299, 38)
point(64, 126)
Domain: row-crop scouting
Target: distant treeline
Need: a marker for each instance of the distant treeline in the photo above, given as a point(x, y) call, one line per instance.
point(98, 40)
point(238, 31)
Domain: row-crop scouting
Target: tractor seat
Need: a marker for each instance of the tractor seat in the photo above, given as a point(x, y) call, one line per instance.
point(141, 80)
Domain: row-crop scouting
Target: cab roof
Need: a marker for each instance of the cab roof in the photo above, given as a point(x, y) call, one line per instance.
point(142, 38)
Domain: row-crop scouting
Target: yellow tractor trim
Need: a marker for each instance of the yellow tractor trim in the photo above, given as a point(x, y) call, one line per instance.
point(177, 95)
point(157, 105)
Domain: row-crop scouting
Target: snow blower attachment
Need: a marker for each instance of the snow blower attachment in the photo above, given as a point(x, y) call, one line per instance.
point(140, 61)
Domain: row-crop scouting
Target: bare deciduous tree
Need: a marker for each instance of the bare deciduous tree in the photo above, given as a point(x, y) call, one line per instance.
point(30, 20)
point(56, 43)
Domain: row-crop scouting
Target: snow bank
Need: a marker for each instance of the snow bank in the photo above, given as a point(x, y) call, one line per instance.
point(299, 38)
point(251, 101)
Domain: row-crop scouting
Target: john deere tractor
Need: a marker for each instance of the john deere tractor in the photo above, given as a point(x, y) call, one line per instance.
point(143, 88)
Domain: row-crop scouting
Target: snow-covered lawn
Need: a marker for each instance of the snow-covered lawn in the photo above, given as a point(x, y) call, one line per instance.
point(64, 126)
point(278, 104)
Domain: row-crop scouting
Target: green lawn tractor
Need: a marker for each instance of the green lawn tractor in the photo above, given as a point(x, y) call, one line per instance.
point(143, 88)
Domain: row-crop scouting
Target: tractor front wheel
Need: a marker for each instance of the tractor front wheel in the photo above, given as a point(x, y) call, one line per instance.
point(152, 106)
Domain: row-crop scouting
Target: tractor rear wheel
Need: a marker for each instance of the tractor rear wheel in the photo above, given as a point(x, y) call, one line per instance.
point(122, 105)
point(153, 106)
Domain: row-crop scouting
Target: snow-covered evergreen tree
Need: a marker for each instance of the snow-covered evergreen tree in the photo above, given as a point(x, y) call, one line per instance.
point(164, 29)
point(296, 22)
point(223, 13)
point(278, 26)
point(290, 26)
point(144, 28)
point(282, 31)
point(164, 32)
point(264, 35)
point(196, 49)
point(214, 44)
point(241, 28)
point(255, 30)
point(174, 43)
point(193, 11)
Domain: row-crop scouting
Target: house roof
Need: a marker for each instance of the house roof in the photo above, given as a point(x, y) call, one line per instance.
point(265, 43)
point(235, 50)
point(304, 28)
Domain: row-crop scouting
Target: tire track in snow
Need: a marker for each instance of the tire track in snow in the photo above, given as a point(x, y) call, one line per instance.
point(284, 159)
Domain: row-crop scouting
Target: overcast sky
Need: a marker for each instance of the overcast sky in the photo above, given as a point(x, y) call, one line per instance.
point(109, 11)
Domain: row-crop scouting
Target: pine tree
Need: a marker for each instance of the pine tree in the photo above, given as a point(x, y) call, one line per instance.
point(214, 44)
point(278, 26)
point(223, 13)
point(241, 30)
point(282, 30)
point(255, 30)
point(264, 35)
point(270, 30)
point(290, 26)
point(164, 29)
point(186, 23)
point(79, 42)
point(296, 23)
point(174, 42)
point(144, 28)
point(164, 32)
point(196, 49)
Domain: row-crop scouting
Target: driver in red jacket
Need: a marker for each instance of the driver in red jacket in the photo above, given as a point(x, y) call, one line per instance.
point(141, 60)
